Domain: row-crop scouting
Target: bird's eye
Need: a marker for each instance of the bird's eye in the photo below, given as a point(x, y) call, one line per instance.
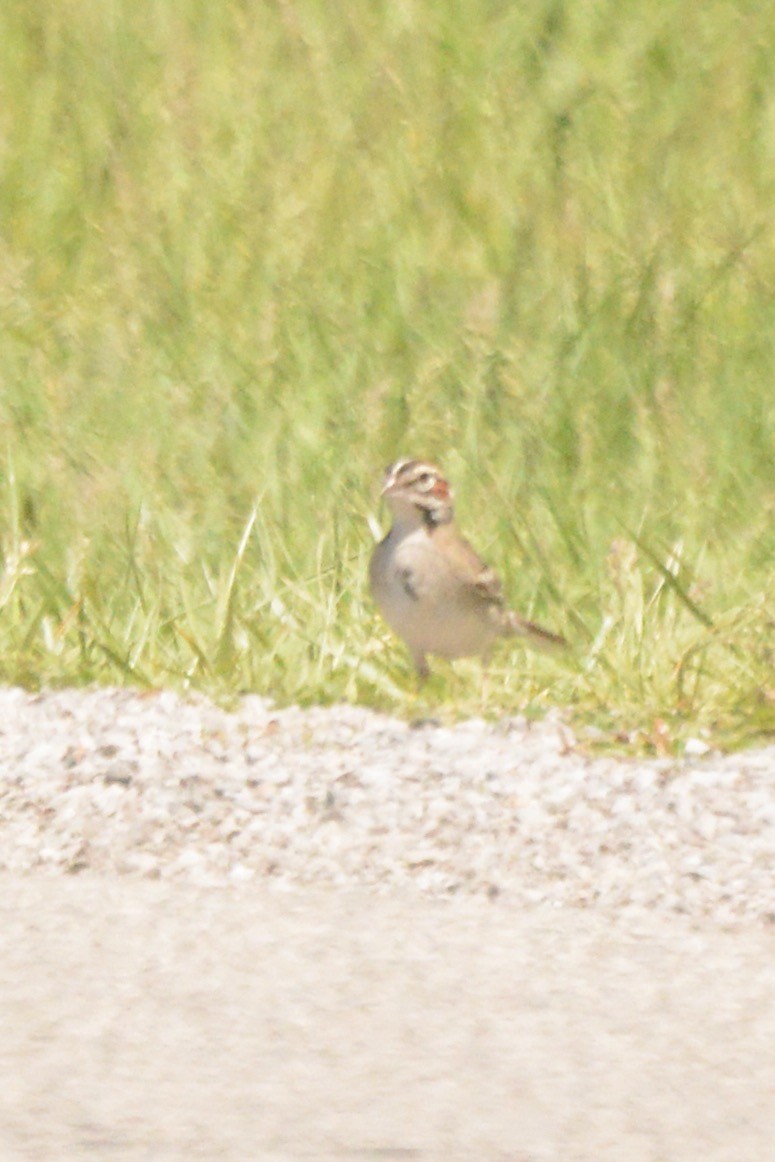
point(425, 479)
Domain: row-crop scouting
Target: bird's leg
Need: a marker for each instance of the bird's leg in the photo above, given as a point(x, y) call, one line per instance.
point(425, 716)
point(421, 665)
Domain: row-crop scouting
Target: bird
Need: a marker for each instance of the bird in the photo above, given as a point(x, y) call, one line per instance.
point(430, 585)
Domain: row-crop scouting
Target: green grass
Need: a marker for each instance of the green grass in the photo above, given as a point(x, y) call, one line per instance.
point(252, 252)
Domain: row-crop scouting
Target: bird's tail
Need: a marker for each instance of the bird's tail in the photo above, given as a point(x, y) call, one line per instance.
point(534, 635)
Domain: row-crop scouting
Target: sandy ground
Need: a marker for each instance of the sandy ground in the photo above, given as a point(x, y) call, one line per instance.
point(151, 1020)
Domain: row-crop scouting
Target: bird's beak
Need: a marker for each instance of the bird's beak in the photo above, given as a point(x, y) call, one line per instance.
point(390, 480)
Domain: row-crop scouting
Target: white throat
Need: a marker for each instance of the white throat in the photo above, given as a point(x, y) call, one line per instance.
point(407, 517)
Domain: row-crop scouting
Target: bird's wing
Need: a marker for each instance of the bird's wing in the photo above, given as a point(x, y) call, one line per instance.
point(483, 586)
point(474, 575)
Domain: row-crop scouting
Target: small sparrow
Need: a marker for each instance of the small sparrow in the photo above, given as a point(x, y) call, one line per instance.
point(429, 584)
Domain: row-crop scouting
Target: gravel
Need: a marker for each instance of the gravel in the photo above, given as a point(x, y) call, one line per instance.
point(160, 787)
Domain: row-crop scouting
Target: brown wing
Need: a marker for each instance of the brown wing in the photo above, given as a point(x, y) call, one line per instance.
point(488, 584)
point(483, 582)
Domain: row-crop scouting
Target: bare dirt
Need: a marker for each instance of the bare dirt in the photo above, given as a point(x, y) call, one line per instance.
point(148, 1020)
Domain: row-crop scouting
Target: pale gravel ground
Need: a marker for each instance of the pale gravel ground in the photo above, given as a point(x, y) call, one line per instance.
point(118, 782)
point(323, 934)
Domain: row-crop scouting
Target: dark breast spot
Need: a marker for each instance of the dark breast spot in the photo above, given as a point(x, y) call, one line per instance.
point(406, 578)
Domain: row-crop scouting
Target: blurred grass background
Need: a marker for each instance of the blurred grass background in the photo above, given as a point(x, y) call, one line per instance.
point(251, 252)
